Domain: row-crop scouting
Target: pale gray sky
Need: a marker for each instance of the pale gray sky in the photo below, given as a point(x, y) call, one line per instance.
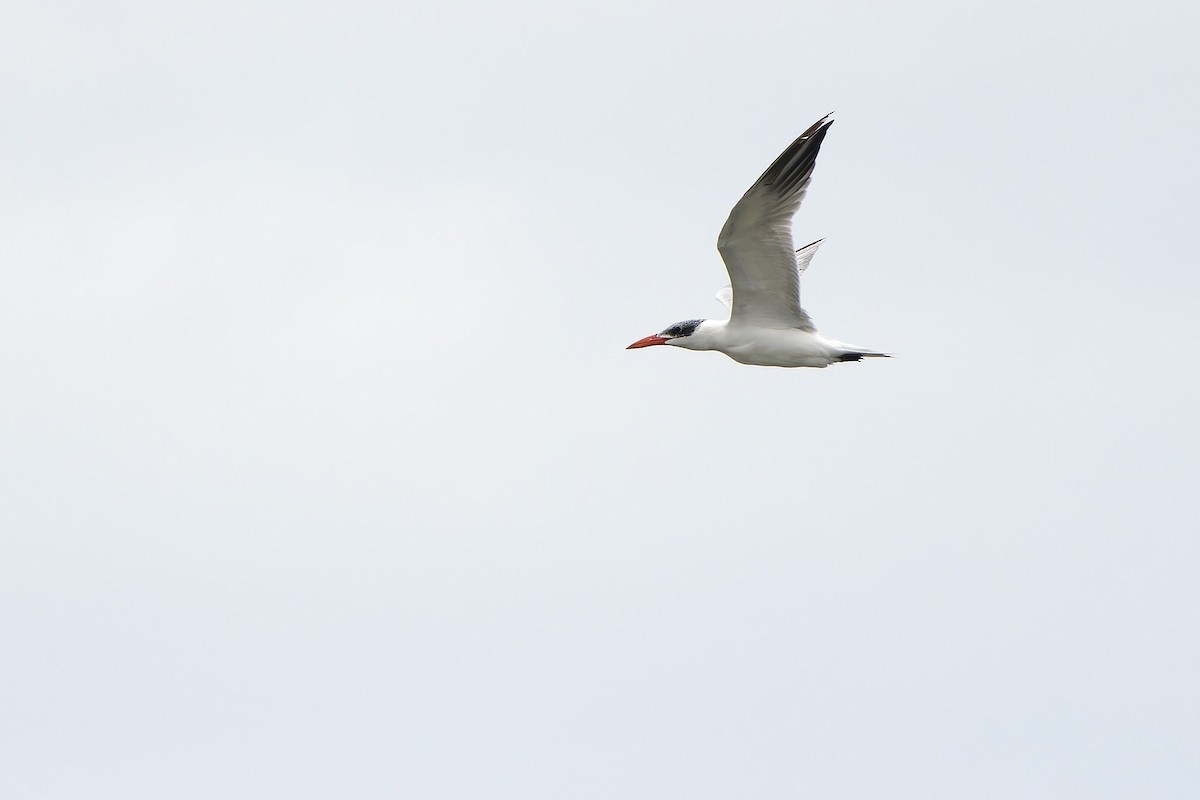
point(326, 474)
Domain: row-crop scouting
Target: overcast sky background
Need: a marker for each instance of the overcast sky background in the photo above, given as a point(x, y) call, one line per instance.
point(325, 472)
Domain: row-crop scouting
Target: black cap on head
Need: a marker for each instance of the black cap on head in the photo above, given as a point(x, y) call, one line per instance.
point(682, 328)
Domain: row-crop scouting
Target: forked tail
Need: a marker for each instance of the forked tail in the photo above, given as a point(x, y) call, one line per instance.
point(859, 355)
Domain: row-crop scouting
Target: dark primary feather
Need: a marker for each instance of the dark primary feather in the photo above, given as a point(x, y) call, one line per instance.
point(796, 163)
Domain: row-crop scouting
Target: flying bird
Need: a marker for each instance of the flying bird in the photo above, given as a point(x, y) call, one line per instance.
point(766, 325)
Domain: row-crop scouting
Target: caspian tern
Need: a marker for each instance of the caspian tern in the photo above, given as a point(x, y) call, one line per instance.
point(766, 325)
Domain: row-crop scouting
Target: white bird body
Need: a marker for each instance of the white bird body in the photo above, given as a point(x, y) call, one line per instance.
point(768, 347)
point(766, 325)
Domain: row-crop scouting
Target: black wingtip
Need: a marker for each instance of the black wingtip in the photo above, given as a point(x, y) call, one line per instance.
point(795, 164)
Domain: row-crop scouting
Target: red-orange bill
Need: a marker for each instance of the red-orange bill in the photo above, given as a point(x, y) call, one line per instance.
point(648, 341)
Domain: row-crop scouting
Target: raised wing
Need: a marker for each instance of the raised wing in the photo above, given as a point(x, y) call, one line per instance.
point(756, 242)
point(803, 258)
point(726, 297)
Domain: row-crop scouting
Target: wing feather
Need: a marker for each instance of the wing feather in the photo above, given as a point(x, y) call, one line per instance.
point(756, 242)
point(803, 258)
point(725, 295)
